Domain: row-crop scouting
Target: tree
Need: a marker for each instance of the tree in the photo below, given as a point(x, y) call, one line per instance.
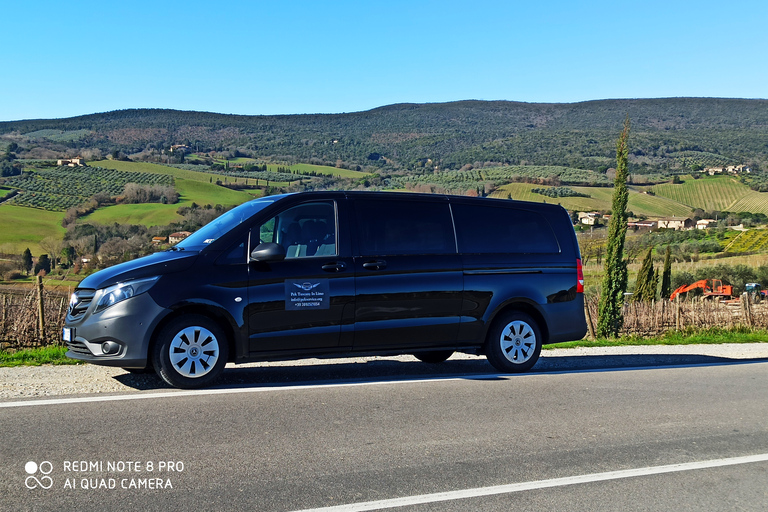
point(43, 263)
point(26, 260)
point(645, 286)
point(53, 245)
point(666, 276)
point(610, 317)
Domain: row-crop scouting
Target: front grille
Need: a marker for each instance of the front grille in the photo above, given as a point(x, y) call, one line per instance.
point(78, 347)
point(79, 303)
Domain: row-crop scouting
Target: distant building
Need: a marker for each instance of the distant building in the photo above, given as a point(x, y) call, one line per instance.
point(71, 162)
point(177, 237)
point(589, 218)
point(676, 223)
point(642, 224)
point(159, 240)
point(704, 223)
point(730, 169)
point(179, 147)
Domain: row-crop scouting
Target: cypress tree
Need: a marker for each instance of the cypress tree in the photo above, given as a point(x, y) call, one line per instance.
point(26, 260)
point(666, 276)
point(645, 286)
point(610, 317)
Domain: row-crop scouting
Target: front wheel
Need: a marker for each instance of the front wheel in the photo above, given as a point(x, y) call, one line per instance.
point(190, 352)
point(514, 343)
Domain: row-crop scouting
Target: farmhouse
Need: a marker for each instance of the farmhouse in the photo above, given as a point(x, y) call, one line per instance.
point(71, 162)
point(159, 240)
point(177, 237)
point(676, 223)
point(731, 169)
point(589, 218)
point(641, 224)
point(704, 223)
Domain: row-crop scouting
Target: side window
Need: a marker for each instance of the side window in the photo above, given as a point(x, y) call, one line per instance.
point(235, 255)
point(491, 229)
point(304, 231)
point(406, 227)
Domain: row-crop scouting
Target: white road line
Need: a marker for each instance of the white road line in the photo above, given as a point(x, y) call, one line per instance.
point(232, 391)
point(538, 484)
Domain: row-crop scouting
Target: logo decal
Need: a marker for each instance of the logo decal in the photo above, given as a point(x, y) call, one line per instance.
point(303, 295)
point(44, 482)
point(306, 286)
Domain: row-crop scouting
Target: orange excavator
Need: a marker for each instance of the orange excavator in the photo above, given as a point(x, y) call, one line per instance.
point(713, 288)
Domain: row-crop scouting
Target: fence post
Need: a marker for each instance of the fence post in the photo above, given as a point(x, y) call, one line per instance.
point(40, 310)
point(589, 321)
point(2, 325)
point(746, 309)
point(678, 314)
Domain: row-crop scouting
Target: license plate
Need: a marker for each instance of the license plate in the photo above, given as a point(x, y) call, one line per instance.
point(68, 334)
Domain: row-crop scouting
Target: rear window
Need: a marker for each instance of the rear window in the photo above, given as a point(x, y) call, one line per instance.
point(492, 229)
point(404, 227)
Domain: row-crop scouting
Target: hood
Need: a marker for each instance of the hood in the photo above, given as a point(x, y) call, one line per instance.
point(155, 264)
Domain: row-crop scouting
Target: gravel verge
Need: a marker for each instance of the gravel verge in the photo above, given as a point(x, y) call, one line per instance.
point(49, 380)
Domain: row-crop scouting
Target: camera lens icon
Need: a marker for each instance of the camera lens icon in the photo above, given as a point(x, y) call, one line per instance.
point(44, 482)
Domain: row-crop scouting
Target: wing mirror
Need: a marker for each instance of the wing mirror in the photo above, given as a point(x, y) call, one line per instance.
point(268, 252)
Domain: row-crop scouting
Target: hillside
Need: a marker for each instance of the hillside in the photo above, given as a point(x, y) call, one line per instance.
point(671, 134)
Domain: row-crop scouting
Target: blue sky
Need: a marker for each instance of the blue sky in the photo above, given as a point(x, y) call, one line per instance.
point(63, 59)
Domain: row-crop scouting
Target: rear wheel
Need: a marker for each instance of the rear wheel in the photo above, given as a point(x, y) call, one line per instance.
point(433, 357)
point(514, 343)
point(190, 352)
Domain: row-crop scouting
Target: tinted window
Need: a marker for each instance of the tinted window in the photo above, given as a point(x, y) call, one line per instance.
point(490, 229)
point(224, 223)
point(305, 230)
point(404, 227)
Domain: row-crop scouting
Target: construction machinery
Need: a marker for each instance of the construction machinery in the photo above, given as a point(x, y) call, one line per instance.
point(713, 288)
point(755, 291)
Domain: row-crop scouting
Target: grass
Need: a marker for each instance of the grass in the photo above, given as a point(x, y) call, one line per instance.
point(36, 357)
point(689, 336)
point(25, 227)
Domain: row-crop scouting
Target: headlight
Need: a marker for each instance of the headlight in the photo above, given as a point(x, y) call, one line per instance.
point(121, 291)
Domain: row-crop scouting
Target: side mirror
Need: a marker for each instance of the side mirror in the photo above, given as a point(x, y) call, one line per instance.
point(267, 252)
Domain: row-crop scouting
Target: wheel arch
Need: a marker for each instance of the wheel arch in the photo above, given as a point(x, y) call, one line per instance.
point(523, 307)
point(215, 314)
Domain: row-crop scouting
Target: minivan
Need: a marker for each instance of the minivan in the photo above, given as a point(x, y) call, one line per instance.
point(339, 274)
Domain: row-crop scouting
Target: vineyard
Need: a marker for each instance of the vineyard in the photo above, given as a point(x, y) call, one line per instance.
point(459, 181)
point(709, 194)
point(65, 187)
point(599, 200)
point(749, 241)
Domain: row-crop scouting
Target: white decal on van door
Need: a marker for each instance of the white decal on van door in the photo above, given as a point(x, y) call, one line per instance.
point(301, 294)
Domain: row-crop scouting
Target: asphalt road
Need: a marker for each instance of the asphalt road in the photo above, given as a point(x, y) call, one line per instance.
point(568, 439)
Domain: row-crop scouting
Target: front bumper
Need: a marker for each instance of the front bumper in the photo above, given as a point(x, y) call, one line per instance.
point(127, 325)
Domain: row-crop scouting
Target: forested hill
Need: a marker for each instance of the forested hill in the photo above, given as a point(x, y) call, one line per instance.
point(667, 134)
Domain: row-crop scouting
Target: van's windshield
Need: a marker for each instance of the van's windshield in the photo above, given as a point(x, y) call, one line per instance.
point(222, 224)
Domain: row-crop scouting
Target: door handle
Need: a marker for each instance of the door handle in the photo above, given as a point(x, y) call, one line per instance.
point(375, 265)
point(336, 266)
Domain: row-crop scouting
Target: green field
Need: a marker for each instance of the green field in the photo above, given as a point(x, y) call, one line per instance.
point(193, 187)
point(324, 169)
point(4, 191)
point(25, 227)
point(716, 193)
point(639, 203)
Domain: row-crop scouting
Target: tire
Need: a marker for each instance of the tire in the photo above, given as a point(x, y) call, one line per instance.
point(433, 357)
point(190, 352)
point(514, 343)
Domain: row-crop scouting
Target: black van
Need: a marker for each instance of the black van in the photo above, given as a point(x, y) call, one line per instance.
point(324, 274)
